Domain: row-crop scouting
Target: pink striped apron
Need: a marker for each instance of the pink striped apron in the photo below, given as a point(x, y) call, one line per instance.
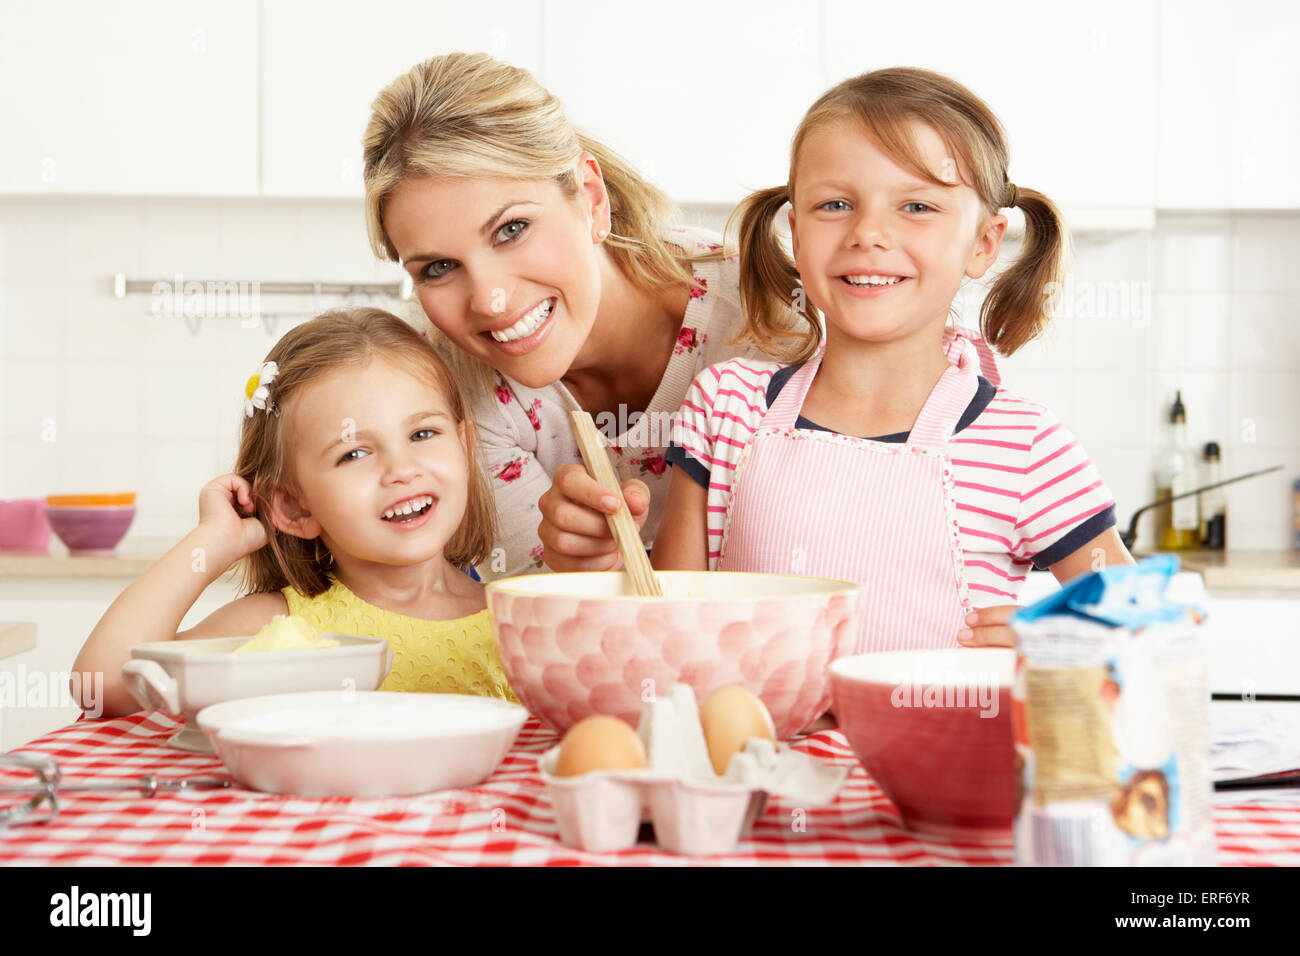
point(882, 514)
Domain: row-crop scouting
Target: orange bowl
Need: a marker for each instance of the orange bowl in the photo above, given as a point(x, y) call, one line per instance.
point(119, 499)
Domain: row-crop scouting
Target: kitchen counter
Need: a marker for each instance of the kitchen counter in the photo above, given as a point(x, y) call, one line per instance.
point(134, 556)
point(1253, 570)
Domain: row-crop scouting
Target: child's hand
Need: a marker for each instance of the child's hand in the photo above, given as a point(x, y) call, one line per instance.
point(987, 627)
point(218, 514)
point(574, 532)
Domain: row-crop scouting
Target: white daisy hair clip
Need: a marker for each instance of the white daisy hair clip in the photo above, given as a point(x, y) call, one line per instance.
point(257, 394)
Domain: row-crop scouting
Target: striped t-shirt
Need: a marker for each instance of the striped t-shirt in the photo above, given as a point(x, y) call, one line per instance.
point(1026, 491)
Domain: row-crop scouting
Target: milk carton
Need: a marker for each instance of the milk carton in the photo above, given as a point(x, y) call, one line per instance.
point(1111, 718)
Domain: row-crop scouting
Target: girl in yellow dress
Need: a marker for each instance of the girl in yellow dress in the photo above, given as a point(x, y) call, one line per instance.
point(355, 503)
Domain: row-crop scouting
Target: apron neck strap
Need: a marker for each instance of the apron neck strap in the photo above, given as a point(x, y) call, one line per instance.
point(934, 425)
point(958, 340)
point(943, 409)
point(785, 410)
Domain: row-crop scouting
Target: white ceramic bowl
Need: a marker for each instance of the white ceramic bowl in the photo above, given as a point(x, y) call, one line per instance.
point(182, 677)
point(375, 744)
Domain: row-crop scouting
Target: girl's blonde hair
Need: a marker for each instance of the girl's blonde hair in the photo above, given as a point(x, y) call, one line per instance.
point(885, 102)
point(306, 353)
point(468, 115)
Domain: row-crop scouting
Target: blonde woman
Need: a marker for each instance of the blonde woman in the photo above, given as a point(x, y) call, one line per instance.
point(555, 281)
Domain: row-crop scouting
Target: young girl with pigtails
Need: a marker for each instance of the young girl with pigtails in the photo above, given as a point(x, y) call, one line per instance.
point(886, 451)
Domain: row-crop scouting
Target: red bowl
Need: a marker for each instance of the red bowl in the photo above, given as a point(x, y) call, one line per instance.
point(90, 531)
point(933, 728)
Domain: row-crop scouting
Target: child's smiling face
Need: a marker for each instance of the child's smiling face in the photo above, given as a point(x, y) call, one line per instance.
point(368, 439)
point(881, 251)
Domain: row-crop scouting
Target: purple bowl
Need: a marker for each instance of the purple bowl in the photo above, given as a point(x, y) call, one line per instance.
point(90, 530)
point(23, 526)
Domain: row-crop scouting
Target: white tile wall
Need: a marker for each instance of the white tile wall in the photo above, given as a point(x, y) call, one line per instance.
point(1200, 320)
point(102, 394)
point(1206, 303)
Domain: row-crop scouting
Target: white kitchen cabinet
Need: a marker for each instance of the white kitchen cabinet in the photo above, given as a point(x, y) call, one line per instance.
point(1113, 109)
point(34, 684)
point(1253, 642)
point(1229, 120)
point(1073, 85)
point(703, 98)
point(1251, 636)
point(148, 97)
point(324, 63)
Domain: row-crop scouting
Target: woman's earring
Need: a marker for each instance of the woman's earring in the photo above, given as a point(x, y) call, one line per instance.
point(601, 234)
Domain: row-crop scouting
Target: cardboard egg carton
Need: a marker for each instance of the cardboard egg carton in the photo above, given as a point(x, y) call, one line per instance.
point(693, 810)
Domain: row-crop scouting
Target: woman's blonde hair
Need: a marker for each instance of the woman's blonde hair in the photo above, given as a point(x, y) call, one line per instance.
point(335, 340)
point(885, 102)
point(468, 115)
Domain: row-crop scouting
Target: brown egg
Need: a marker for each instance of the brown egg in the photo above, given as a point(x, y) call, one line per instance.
point(730, 716)
point(599, 743)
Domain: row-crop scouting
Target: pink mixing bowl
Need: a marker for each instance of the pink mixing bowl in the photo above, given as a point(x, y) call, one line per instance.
point(933, 728)
point(574, 645)
point(89, 531)
point(23, 526)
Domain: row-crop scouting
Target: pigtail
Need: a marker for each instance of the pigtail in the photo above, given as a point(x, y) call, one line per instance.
point(1018, 307)
point(778, 317)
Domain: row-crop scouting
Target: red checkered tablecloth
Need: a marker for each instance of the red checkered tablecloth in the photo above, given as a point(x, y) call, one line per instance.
point(507, 820)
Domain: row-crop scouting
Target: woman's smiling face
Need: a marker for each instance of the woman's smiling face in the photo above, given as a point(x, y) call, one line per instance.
point(507, 269)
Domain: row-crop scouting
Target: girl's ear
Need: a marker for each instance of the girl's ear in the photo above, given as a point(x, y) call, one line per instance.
point(794, 237)
point(288, 515)
point(987, 247)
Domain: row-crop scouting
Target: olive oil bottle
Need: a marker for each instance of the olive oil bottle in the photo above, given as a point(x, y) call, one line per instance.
point(1176, 473)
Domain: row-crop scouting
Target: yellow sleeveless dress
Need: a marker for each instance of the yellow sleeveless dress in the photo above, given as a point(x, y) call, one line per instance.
point(443, 657)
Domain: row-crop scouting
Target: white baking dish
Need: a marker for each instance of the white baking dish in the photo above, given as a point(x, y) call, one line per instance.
point(183, 677)
point(361, 744)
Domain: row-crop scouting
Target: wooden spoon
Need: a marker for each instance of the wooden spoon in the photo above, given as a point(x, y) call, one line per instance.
point(621, 523)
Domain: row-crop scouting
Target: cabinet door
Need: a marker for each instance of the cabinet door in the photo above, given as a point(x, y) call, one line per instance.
point(1229, 133)
point(1195, 132)
point(703, 98)
point(1253, 643)
point(144, 98)
point(1074, 86)
point(35, 698)
point(1266, 107)
point(324, 63)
